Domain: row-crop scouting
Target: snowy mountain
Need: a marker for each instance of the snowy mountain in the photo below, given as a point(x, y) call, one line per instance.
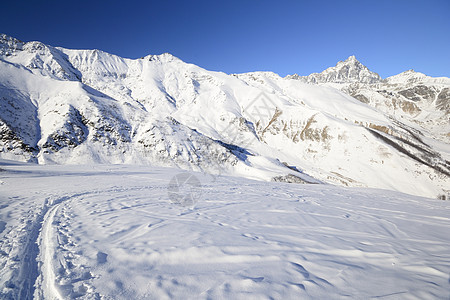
point(87, 106)
point(409, 97)
point(348, 71)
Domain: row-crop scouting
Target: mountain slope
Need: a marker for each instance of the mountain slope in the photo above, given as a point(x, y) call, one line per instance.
point(88, 106)
point(411, 97)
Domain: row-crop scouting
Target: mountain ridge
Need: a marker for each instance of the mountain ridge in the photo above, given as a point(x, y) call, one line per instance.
point(87, 106)
point(348, 71)
point(412, 95)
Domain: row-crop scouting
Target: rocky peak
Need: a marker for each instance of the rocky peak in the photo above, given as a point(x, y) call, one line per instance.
point(348, 71)
point(9, 44)
point(164, 58)
point(350, 63)
point(352, 60)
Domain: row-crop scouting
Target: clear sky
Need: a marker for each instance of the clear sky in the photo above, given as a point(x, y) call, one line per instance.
point(235, 36)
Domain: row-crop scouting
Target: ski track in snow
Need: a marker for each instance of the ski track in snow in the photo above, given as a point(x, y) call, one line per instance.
point(110, 232)
point(47, 248)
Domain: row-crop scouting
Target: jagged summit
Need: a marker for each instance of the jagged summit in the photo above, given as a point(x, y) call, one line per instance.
point(6, 38)
point(9, 44)
point(351, 61)
point(348, 71)
point(164, 57)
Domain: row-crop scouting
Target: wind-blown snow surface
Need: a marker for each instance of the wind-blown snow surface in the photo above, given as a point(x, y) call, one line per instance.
point(111, 232)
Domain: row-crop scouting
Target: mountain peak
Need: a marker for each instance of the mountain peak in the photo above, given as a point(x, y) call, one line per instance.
point(164, 57)
point(350, 61)
point(410, 71)
point(351, 58)
point(411, 76)
point(348, 71)
point(5, 37)
point(8, 44)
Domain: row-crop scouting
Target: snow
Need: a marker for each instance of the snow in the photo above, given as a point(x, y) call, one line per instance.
point(112, 232)
point(345, 72)
point(62, 106)
point(411, 76)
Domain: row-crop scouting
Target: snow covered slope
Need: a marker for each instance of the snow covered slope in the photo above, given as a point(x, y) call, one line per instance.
point(111, 232)
point(87, 106)
point(410, 97)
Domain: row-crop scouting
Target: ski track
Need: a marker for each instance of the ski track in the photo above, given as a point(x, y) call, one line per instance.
point(40, 241)
point(59, 278)
point(49, 290)
point(29, 267)
point(116, 235)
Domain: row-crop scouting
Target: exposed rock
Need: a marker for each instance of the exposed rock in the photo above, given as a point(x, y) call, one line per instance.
point(443, 100)
point(419, 92)
point(290, 178)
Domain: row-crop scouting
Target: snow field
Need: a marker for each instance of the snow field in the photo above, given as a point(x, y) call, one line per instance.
point(111, 232)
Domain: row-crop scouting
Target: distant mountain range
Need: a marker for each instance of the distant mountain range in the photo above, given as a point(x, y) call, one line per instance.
point(344, 126)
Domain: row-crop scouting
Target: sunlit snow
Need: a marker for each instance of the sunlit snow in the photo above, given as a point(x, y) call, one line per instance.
point(112, 232)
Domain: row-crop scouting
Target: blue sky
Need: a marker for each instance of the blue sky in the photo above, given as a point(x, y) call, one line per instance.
point(284, 36)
